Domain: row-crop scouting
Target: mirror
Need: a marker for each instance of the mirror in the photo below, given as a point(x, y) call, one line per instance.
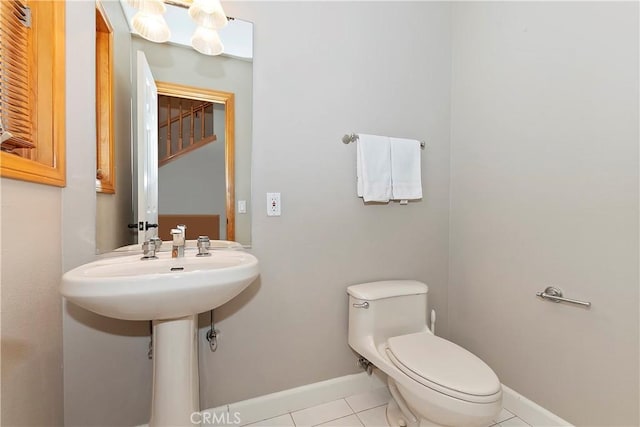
point(173, 64)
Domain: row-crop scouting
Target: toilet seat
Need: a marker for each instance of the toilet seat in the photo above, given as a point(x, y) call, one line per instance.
point(444, 367)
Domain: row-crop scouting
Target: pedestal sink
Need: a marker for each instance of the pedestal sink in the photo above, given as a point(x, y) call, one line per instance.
point(170, 292)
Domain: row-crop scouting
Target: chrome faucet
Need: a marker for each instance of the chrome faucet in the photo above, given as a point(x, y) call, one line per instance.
point(150, 247)
point(148, 250)
point(179, 238)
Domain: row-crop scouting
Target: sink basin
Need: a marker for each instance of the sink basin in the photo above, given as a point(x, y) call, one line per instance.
point(129, 288)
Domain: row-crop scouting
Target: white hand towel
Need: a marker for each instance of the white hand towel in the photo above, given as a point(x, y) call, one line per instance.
point(373, 168)
point(406, 176)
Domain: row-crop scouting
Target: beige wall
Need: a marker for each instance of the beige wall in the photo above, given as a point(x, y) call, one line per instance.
point(31, 337)
point(114, 211)
point(180, 184)
point(323, 69)
point(545, 192)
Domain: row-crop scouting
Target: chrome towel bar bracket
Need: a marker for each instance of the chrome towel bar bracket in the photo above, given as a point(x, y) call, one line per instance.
point(555, 295)
point(352, 137)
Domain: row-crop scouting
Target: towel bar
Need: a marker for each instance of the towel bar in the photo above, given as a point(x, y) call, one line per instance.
point(555, 295)
point(351, 137)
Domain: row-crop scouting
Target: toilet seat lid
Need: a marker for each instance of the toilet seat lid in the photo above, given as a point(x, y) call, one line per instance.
point(443, 363)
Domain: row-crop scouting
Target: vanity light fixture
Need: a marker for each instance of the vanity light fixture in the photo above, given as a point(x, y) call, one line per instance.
point(208, 15)
point(149, 22)
point(207, 41)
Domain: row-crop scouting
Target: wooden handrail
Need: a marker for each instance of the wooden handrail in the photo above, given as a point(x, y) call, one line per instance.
point(180, 126)
point(186, 113)
point(184, 147)
point(169, 145)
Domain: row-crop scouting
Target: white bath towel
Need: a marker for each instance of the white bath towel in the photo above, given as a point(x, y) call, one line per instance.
point(373, 168)
point(406, 176)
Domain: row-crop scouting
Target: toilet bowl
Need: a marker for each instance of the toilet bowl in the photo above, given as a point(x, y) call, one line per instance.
point(432, 381)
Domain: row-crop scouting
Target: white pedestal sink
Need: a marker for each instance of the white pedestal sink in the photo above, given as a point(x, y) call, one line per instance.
point(171, 292)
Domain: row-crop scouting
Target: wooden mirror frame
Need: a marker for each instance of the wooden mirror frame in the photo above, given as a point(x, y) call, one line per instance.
point(228, 100)
point(105, 144)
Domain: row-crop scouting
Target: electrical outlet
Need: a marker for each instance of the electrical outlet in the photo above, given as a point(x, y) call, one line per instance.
point(273, 204)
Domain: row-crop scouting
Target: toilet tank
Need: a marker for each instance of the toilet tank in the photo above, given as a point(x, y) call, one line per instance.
point(395, 307)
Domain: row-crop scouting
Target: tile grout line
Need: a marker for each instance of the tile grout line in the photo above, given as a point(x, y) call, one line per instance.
point(373, 407)
point(350, 407)
point(359, 419)
point(269, 418)
point(385, 414)
point(506, 419)
point(293, 420)
point(352, 413)
point(510, 418)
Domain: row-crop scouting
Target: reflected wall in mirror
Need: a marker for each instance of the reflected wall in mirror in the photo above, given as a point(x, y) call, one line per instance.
point(179, 65)
point(114, 210)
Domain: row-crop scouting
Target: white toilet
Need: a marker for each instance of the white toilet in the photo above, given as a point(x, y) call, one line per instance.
point(432, 381)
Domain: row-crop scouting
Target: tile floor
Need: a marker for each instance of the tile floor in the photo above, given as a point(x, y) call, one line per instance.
point(366, 409)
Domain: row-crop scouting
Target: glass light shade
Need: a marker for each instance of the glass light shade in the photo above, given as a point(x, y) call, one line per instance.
point(152, 27)
point(208, 13)
point(207, 41)
point(152, 7)
point(206, 6)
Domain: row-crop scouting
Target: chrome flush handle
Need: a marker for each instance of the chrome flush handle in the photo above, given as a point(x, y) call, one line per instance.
point(361, 305)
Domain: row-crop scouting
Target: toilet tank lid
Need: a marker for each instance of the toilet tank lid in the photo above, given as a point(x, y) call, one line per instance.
point(387, 289)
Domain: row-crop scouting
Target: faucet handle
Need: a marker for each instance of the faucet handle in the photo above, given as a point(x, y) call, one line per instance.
point(180, 232)
point(204, 243)
point(177, 232)
point(157, 242)
point(148, 250)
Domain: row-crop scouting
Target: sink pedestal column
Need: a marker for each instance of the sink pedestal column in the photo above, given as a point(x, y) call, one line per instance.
point(175, 373)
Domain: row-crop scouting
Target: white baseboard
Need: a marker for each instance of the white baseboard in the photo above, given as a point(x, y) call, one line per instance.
point(274, 404)
point(529, 411)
